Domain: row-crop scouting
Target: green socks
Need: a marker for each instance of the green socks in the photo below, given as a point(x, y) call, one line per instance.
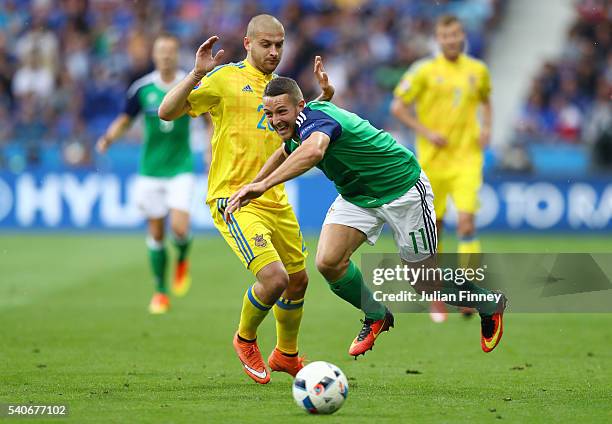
point(158, 259)
point(182, 247)
point(352, 289)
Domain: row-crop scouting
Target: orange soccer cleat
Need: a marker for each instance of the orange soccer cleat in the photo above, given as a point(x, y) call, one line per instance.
point(368, 334)
point(160, 304)
point(182, 279)
point(492, 326)
point(283, 363)
point(252, 361)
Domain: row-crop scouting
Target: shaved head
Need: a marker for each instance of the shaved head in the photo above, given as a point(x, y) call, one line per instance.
point(264, 42)
point(264, 24)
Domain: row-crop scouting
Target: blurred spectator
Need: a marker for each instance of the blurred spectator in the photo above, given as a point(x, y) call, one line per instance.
point(535, 118)
point(568, 119)
point(33, 79)
point(77, 58)
point(7, 70)
point(39, 38)
point(598, 128)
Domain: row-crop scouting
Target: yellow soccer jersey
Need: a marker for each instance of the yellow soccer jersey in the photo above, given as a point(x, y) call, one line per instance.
point(447, 96)
point(242, 141)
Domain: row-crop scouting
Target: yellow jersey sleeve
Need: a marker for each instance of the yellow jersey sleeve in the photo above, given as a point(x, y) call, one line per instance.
point(412, 84)
point(205, 95)
point(485, 86)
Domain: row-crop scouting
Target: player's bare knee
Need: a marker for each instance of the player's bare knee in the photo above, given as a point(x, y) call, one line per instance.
point(331, 267)
point(465, 228)
point(274, 281)
point(298, 283)
point(277, 283)
point(156, 236)
point(156, 229)
point(180, 232)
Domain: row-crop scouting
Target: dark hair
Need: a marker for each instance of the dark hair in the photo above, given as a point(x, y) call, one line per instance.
point(283, 85)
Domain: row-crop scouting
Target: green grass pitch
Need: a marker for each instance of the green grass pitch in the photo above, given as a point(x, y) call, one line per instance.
point(75, 330)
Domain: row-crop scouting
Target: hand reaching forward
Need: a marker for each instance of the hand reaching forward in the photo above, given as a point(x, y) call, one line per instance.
point(242, 198)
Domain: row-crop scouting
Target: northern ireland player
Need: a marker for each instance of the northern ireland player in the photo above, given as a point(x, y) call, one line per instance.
point(378, 181)
point(165, 183)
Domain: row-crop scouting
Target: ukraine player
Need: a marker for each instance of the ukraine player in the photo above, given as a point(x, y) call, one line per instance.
point(165, 183)
point(265, 236)
point(447, 91)
point(379, 181)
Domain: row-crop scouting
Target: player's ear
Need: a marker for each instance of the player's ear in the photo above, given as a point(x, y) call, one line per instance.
point(301, 104)
point(247, 44)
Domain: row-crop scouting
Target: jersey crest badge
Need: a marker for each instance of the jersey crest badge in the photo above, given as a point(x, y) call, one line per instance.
point(260, 241)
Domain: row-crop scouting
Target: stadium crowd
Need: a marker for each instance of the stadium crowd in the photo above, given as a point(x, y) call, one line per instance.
point(65, 64)
point(570, 97)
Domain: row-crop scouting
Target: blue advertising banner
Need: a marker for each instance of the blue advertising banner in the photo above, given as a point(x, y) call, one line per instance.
point(89, 200)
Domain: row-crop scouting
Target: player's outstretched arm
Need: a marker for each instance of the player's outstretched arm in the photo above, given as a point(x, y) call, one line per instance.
point(305, 157)
point(175, 104)
point(405, 114)
point(273, 162)
point(327, 90)
point(301, 160)
point(253, 190)
point(115, 130)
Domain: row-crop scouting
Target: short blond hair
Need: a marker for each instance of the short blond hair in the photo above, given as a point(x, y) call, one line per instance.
point(257, 23)
point(448, 20)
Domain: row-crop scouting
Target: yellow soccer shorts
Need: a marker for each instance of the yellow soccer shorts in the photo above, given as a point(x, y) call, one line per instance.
point(462, 187)
point(260, 235)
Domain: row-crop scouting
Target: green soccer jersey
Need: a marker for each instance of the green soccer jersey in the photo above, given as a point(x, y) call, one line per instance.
point(166, 151)
point(368, 167)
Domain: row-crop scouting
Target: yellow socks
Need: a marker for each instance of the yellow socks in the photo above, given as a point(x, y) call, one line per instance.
point(253, 313)
point(469, 245)
point(469, 252)
point(288, 314)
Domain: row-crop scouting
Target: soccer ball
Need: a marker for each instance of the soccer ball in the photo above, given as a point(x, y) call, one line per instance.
point(320, 388)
